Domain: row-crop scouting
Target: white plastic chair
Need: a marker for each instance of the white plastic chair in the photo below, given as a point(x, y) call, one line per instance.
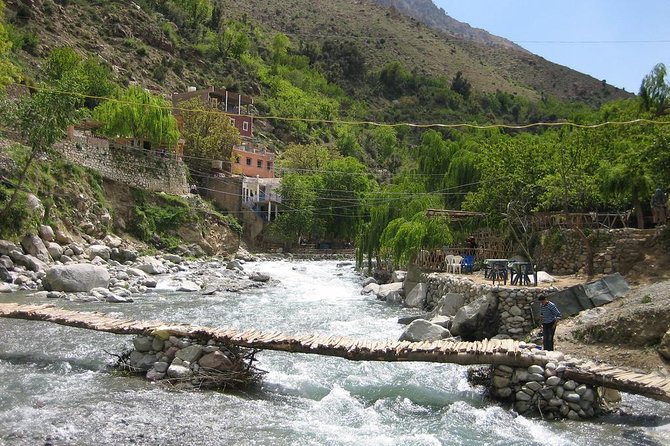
point(448, 261)
point(456, 264)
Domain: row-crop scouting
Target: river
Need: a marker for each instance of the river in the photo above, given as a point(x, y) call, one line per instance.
point(57, 387)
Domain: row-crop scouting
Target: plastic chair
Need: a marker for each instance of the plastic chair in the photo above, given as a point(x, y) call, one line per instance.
point(456, 264)
point(468, 263)
point(448, 261)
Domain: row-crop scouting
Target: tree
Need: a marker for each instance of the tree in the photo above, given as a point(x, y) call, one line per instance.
point(94, 78)
point(461, 85)
point(655, 90)
point(207, 132)
point(345, 183)
point(232, 40)
point(136, 113)
point(403, 239)
point(42, 119)
point(299, 203)
point(198, 12)
point(306, 157)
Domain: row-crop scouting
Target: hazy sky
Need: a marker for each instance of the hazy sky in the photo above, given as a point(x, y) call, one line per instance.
point(616, 40)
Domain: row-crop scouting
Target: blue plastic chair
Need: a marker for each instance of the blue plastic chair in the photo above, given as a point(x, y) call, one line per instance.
point(468, 263)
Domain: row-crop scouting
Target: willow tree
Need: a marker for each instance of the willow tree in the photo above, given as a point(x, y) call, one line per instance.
point(137, 113)
point(403, 238)
point(399, 201)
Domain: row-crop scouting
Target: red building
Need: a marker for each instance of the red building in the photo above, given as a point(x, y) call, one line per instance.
point(252, 161)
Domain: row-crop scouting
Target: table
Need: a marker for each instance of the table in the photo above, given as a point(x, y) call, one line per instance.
point(519, 273)
point(496, 269)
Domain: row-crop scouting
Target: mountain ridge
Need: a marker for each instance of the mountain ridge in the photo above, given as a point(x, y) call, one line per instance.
point(137, 43)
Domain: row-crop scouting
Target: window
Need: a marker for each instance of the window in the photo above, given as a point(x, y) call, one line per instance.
point(248, 161)
point(232, 122)
point(259, 164)
point(237, 159)
point(245, 126)
point(269, 165)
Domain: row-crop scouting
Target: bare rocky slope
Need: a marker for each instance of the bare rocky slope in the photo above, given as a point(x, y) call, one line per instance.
point(627, 332)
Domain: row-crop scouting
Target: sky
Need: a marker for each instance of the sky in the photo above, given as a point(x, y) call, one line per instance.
point(616, 40)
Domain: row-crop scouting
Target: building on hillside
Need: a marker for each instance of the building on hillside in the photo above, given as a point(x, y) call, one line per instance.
point(249, 160)
point(248, 187)
point(235, 105)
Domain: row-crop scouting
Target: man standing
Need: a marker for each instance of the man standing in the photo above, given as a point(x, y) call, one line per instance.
point(550, 316)
point(659, 207)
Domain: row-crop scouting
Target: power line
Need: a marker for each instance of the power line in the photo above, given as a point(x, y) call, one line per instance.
point(374, 123)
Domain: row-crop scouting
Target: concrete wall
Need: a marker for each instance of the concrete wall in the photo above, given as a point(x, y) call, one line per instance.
point(132, 166)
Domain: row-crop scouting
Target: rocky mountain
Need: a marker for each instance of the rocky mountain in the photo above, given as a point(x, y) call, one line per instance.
point(143, 46)
point(437, 18)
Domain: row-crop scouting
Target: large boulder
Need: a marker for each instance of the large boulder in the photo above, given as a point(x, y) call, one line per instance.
point(216, 361)
point(55, 250)
point(387, 289)
point(75, 278)
point(5, 276)
point(417, 297)
point(35, 206)
point(34, 246)
point(6, 247)
point(47, 233)
point(112, 241)
point(423, 330)
point(478, 320)
point(30, 262)
point(370, 288)
point(449, 305)
point(102, 251)
point(152, 265)
point(62, 237)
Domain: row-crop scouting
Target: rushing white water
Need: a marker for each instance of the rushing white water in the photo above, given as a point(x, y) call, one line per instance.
point(56, 387)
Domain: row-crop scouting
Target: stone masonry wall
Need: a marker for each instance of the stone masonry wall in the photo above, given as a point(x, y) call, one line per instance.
point(615, 250)
point(134, 167)
point(514, 304)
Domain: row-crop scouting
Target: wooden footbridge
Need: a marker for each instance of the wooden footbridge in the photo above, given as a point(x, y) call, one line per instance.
point(496, 352)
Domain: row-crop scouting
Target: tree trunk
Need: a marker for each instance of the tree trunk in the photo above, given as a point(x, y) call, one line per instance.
point(637, 207)
point(588, 247)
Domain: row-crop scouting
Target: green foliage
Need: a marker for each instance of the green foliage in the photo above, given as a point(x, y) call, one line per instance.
point(207, 133)
point(198, 12)
point(136, 113)
point(299, 200)
point(18, 219)
point(233, 40)
point(8, 70)
point(93, 79)
point(461, 85)
point(655, 90)
point(158, 215)
point(404, 238)
point(306, 157)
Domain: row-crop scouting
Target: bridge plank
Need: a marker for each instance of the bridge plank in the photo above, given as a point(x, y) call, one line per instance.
point(506, 351)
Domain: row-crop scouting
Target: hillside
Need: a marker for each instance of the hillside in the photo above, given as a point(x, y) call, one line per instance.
point(142, 46)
